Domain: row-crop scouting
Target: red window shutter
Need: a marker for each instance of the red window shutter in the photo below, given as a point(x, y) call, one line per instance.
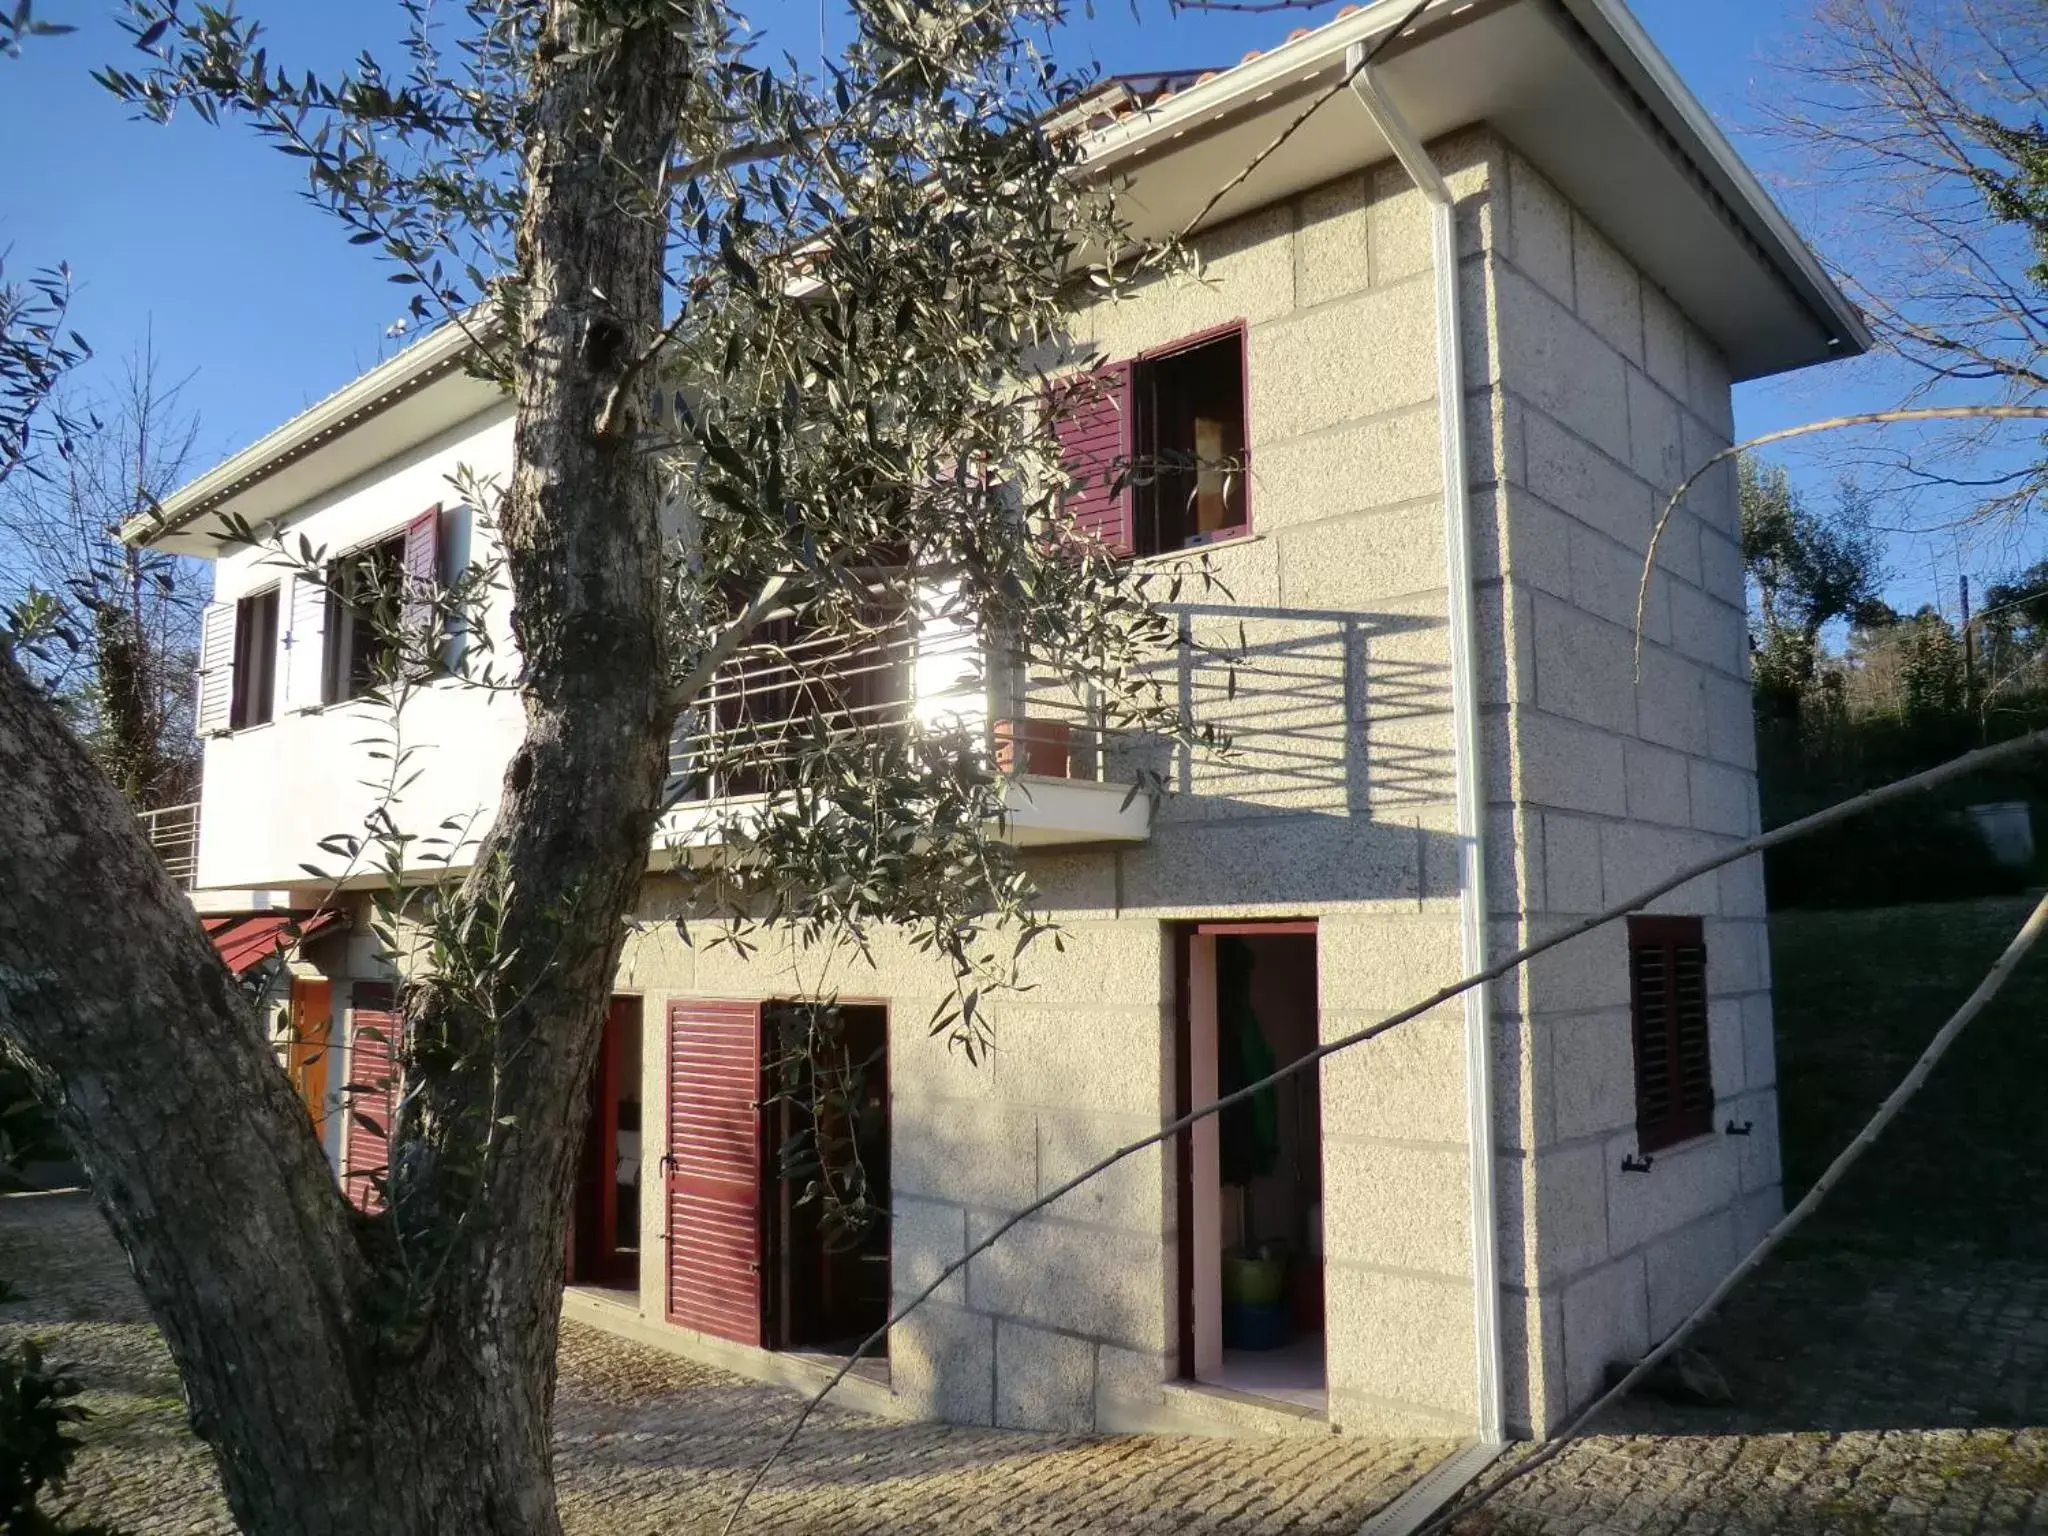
point(422, 582)
point(371, 1092)
point(1092, 417)
point(714, 1168)
point(1667, 959)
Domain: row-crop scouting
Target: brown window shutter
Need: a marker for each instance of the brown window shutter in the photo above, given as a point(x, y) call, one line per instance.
point(1667, 960)
point(371, 1092)
point(715, 1161)
point(1092, 417)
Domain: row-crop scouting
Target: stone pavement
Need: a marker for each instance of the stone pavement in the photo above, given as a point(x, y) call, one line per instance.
point(649, 1443)
point(1873, 1396)
point(1873, 1393)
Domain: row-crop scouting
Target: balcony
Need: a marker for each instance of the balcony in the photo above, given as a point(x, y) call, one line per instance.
point(173, 831)
point(1066, 778)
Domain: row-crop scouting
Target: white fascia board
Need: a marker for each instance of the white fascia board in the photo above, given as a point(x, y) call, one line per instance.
point(425, 360)
point(1284, 68)
point(1668, 90)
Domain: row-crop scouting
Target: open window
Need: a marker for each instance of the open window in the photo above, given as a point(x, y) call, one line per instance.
point(363, 610)
point(1157, 447)
point(1188, 486)
point(380, 609)
point(255, 676)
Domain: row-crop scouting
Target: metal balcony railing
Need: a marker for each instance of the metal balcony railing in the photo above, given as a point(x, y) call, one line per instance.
point(173, 831)
point(750, 730)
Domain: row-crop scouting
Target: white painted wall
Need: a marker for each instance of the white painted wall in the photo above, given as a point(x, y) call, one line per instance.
point(272, 792)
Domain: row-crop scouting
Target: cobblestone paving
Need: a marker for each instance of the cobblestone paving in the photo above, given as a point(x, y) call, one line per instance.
point(1872, 1394)
point(649, 1443)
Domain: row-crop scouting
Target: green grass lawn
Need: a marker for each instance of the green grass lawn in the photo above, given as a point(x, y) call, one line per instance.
point(1858, 996)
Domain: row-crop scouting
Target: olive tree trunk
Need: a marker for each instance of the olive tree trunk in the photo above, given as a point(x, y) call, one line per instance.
point(342, 1390)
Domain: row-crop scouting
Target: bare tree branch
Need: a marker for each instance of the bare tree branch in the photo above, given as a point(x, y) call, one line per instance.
point(1858, 805)
point(721, 650)
point(1784, 434)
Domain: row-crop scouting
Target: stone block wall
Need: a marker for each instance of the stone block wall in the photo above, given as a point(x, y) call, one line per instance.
point(1603, 784)
point(1336, 802)
point(1588, 394)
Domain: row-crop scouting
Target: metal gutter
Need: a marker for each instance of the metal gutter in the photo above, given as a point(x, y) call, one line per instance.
point(433, 357)
point(1424, 1499)
point(1470, 784)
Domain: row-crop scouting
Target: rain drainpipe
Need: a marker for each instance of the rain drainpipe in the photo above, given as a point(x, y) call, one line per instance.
point(1450, 388)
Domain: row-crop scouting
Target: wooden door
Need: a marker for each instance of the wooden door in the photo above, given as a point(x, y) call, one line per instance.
point(714, 1168)
point(371, 1092)
point(307, 1050)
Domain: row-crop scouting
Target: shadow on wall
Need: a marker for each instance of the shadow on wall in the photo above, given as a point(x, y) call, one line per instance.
point(1337, 782)
point(1331, 713)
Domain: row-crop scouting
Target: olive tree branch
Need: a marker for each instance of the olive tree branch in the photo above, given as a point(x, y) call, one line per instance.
point(1832, 424)
point(1858, 805)
point(1994, 979)
point(730, 639)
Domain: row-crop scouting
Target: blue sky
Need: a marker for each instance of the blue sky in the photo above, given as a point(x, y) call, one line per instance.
point(201, 238)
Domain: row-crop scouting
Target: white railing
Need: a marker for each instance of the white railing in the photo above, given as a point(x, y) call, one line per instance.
point(173, 831)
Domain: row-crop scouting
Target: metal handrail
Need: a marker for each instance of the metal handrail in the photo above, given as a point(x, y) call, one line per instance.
point(173, 832)
point(740, 737)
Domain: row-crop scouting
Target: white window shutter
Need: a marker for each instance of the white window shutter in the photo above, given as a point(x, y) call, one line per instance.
point(422, 585)
point(216, 668)
point(305, 668)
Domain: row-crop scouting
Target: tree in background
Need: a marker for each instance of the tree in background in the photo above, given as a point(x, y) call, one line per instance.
point(2013, 631)
point(1907, 668)
point(122, 659)
point(1928, 121)
point(1807, 570)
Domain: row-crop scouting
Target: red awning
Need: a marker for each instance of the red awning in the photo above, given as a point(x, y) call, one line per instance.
point(247, 939)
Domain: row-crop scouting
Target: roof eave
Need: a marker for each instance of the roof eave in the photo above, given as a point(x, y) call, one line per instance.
point(1604, 24)
point(434, 356)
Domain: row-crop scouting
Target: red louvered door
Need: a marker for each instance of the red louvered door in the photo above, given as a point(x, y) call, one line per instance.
point(371, 1091)
point(714, 1168)
point(1094, 428)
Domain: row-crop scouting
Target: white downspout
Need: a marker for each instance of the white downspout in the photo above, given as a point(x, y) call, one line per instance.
point(1450, 385)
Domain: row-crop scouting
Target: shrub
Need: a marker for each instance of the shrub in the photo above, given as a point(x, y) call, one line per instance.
point(36, 1448)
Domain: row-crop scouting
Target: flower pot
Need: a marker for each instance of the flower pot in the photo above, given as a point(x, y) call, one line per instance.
point(1043, 748)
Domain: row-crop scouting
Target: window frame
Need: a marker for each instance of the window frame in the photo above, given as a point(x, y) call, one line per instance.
point(253, 662)
point(1143, 494)
point(337, 658)
point(1687, 1066)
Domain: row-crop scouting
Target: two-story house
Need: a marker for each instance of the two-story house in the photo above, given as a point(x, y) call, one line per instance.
point(1467, 326)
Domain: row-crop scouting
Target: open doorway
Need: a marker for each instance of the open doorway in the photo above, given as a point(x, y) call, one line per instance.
point(826, 1260)
point(604, 1227)
point(1250, 1179)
